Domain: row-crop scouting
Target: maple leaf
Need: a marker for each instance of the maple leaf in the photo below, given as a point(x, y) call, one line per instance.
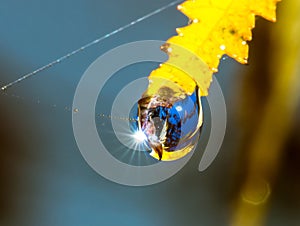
point(217, 27)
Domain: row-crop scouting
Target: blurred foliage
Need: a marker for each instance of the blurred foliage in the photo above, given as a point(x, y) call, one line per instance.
point(269, 102)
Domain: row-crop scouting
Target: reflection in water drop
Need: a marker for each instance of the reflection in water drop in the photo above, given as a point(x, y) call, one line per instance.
point(170, 120)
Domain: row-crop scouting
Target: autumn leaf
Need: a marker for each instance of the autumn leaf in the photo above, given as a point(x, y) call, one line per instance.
point(217, 27)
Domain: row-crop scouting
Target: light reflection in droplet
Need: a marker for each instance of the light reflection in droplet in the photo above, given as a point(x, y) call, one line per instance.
point(139, 136)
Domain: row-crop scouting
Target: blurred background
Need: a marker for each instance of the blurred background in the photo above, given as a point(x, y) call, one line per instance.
point(44, 180)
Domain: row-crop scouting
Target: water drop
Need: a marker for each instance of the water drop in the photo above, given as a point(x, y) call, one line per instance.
point(195, 20)
point(222, 47)
point(171, 125)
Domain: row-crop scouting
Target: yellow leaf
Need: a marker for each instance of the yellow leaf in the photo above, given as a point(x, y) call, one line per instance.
point(217, 27)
